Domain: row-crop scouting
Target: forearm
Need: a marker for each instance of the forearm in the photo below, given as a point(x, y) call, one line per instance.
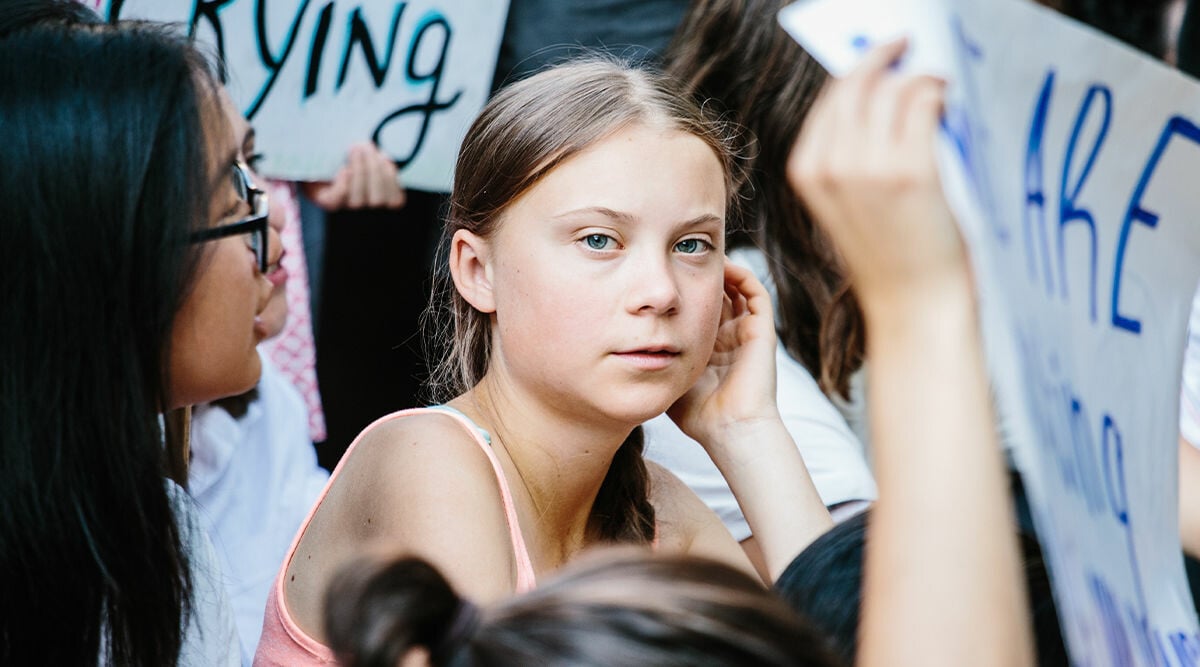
point(768, 477)
point(942, 577)
point(1189, 497)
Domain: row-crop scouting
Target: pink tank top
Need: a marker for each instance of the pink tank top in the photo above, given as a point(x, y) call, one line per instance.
point(284, 643)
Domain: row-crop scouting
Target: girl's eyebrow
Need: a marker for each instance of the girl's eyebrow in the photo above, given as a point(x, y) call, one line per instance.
point(619, 216)
point(703, 219)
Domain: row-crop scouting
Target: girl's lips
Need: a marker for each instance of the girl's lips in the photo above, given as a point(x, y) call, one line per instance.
point(648, 360)
point(278, 277)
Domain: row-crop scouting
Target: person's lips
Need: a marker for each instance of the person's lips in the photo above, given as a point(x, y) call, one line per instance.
point(650, 358)
point(278, 275)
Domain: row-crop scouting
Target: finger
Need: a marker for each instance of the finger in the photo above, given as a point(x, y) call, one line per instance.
point(740, 305)
point(921, 111)
point(742, 282)
point(883, 116)
point(358, 187)
point(331, 195)
point(394, 192)
point(862, 80)
point(398, 196)
point(381, 177)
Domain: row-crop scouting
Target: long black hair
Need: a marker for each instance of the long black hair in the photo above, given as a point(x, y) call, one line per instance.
point(103, 174)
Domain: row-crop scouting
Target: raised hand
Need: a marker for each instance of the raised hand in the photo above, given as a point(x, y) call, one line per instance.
point(368, 179)
point(738, 387)
point(865, 167)
point(943, 583)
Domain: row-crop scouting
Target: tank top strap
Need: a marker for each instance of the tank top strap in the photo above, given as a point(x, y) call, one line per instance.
point(526, 580)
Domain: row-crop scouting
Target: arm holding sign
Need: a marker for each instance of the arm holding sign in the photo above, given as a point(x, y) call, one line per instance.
point(1189, 437)
point(368, 179)
point(942, 582)
point(1189, 497)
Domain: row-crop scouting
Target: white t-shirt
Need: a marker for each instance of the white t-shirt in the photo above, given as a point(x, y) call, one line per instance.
point(254, 479)
point(1189, 395)
point(833, 454)
point(211, 637)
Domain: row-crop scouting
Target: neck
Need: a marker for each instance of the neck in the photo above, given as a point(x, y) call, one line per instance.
point(555, 463)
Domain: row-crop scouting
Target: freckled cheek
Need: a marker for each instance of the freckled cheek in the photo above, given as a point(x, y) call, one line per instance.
point(549, 315)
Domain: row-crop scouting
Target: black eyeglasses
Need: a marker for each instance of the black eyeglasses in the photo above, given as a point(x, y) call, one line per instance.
point(254, 225)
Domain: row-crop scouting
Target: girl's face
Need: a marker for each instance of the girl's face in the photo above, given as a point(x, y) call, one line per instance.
point(605, 280)
point(215, 331)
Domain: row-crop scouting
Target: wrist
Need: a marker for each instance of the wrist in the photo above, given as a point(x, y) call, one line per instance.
point(735, 435)
point(935, 305)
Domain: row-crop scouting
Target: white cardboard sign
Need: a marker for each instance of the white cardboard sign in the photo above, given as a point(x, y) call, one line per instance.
point(1072, 162)
point(315, 76)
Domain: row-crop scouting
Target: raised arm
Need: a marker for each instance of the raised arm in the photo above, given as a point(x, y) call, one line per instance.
point(942, 581)
point(732, 412)
point(1189, 497)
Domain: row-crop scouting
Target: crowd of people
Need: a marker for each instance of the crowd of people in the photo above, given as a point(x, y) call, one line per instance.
point(651, 437)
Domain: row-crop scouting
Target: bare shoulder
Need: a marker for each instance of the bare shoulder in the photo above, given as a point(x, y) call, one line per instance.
point(407, 457)
point(417, 484)
point(412, 479)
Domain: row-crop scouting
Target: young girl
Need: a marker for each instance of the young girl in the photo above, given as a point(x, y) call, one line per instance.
point(941, 585)
point(589, 293)
point(132, 270)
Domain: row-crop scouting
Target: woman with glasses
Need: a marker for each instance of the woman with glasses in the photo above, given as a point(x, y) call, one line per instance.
point(132, 246)
point(253, 469)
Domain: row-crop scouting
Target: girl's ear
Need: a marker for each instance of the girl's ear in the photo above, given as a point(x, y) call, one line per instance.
point(471, 270)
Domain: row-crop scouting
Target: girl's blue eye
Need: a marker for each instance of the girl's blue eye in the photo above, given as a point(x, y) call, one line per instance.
point(691, 246)
point(597, 241)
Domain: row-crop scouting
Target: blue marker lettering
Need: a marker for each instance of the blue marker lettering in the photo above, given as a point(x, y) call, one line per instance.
point(1034, 214)
point(1068, 212)
point(1135, 213)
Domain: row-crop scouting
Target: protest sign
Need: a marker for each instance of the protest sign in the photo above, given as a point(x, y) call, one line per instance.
point(1071, 161)
point(316, 77)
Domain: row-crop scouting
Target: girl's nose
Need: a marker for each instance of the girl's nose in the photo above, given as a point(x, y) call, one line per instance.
point(653, 287)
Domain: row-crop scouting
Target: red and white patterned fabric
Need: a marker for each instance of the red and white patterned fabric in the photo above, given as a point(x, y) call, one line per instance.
point(293, 351)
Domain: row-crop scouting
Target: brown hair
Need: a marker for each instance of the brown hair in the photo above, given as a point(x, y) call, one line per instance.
point(526, 131)
point(734, 53)
point(617, 610)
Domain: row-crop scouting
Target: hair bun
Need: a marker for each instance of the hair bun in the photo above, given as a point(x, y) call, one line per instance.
point(459, 632)
point(380, 610)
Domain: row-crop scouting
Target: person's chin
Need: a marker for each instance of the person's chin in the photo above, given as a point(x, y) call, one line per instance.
point(638, 407)
point(252, 376)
